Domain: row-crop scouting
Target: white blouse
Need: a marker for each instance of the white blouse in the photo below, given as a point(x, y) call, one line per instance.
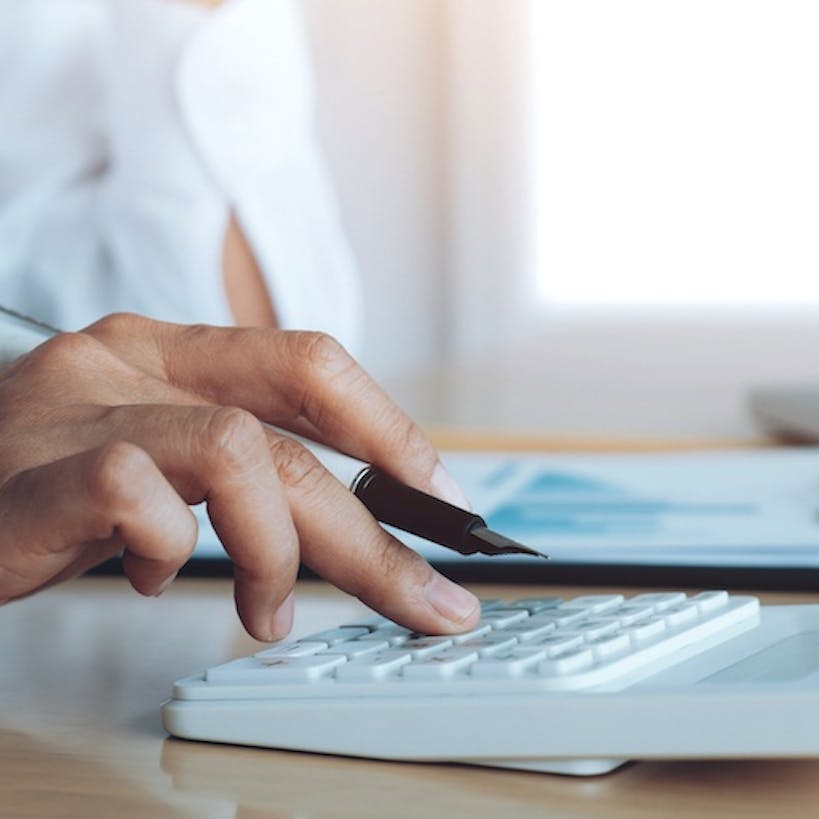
point(130, 131)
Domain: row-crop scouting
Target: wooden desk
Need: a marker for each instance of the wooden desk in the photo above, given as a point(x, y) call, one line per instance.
point(85, 666)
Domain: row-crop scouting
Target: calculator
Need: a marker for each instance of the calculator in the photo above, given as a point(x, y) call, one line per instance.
point(555, 685)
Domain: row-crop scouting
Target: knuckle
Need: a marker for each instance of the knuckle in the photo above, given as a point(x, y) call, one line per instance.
point(408, 441)
point(396, 567)
point(68, 351)
point(412, 440)
point(116, 477)
point(295, 465)
point(321, 352)
point(234, 437)
point(117, 324)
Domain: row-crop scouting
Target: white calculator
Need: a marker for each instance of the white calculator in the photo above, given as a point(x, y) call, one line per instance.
point(573, 686)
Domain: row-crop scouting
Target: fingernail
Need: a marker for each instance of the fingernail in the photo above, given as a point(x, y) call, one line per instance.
point(282, 620)
point(447, 489)
point(450, 600)
point(165, 583)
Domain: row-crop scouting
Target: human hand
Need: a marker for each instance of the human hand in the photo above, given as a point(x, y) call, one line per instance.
point(106, 437)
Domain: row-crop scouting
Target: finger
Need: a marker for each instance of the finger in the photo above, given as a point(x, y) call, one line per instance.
point(342, 542)
point(302, 381)
point(93, 502)
point(220, 455)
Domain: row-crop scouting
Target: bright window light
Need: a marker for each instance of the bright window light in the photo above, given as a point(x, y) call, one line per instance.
point(677, 151)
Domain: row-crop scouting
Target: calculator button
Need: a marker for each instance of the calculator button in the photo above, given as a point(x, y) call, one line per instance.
point(488, 605)
point(537, 604)
point(596, 603)
point(659, 601)
point(592, 629)
point(475, 633)
point(710, 601)
point(360, 648)
point(491, 644)
point(392, 633)
point(557, 644)
point(648, 630)
point(278, 670)
point(508, 665)
point(561, 616)
point(304, 669)
point(680, 615)
point(372, 667)
point(628, 613)
point(524, 632)
point(296, 649)
point(501, 618)
point(419, 647)
point(609, 645)
point(575, 660)
point(370, 623)
point(440, 665)
point(336, 635)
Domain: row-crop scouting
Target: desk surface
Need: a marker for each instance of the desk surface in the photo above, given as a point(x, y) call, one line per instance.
point(85, 666)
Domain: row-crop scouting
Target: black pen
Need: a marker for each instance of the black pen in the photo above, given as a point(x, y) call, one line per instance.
point(396, 504)
point(392, 502)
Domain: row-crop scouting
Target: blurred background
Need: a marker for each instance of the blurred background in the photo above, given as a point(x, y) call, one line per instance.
point(578, 216)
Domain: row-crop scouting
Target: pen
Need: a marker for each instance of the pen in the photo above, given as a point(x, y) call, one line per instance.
point(387, 499)
point(410, 510)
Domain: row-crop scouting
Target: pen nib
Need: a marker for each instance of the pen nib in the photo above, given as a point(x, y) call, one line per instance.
point(488, 542)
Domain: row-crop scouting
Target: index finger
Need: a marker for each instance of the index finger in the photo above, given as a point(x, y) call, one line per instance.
point(305, 382)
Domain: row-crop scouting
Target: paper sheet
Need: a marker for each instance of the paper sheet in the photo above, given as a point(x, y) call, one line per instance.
point(728, 508)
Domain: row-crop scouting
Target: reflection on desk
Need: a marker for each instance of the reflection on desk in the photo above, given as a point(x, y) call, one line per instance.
point(85, 667)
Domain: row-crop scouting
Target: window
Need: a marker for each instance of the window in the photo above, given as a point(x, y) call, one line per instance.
point(677, 151)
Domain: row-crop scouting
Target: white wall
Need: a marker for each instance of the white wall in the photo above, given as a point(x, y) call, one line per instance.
point(378, 70)
point(420, 115)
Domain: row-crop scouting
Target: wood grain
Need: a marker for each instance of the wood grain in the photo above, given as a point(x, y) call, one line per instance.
point(85, 667)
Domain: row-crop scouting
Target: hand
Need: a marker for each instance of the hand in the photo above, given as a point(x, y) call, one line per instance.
point(106, 437)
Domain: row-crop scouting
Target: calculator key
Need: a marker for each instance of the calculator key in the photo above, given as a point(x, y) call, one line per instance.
point(572, 661)
point(710, 601)
point(648, 630)
point(392, 633)
point(370, 623)
point(512, 664)
point(524, 632)
point(561, 616)
point(373, 667)
point(558, 643)
point(491, 644)
point(501, 618)
point(537, 604)
point(299, 648)
point(659, 601)
point(419, 647)
point(360, 648)
point(592, 629)
point(488, 605)
point(336, 635)
point(304, 669)
point(609, 645)
point(279, 670)
point(680, 615)
point(441, 665)
point(628, 613)
point(475, 633)
point(596, 603)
